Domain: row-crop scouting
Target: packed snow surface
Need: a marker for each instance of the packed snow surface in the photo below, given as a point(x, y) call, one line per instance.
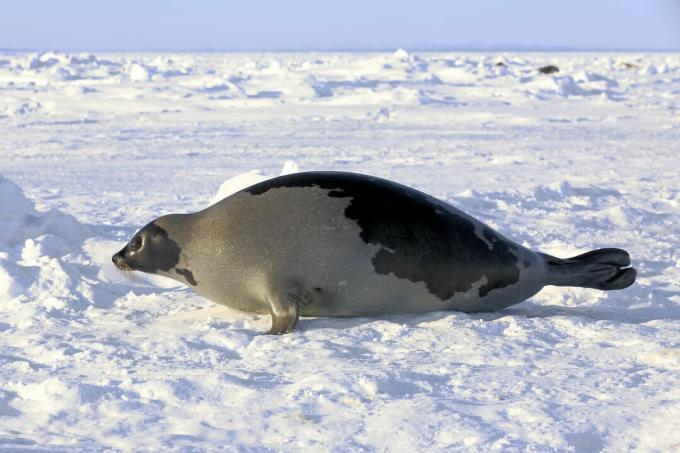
point(92, 147)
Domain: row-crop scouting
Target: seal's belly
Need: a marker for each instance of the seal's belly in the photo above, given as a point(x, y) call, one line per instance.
point(341, 278)
point(359, 291)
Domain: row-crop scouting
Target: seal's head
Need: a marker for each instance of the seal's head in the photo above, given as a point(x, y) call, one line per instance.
point(150, 250)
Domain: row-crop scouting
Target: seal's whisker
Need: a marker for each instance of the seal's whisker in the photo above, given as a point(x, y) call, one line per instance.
point(129, 275)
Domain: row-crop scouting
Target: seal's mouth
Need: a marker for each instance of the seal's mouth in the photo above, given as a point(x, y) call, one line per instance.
point(120, 263)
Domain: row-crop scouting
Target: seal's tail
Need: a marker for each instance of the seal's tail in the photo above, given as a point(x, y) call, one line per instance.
point(604, 269)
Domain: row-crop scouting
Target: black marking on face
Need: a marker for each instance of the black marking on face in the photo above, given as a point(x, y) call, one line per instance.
point(416, 242)
point(186, 273)
point(151, 250)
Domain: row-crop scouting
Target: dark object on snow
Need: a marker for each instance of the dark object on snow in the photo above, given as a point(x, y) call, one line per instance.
point(550, 69)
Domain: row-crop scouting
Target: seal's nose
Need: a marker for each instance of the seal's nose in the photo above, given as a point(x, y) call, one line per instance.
point(118, 260)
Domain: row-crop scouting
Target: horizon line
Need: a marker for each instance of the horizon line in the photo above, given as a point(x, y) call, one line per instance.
point(436, 49)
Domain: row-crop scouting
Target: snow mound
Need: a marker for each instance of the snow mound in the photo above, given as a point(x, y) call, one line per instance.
point(247, 179)
point(289, 167)
point(20, 221)
point(32, 247)
point(45, 60)
point(238, 182)
point(400, 54)
point(566, 87)
point(139, 73)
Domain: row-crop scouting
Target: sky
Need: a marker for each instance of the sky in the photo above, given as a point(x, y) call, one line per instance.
point(255, 25)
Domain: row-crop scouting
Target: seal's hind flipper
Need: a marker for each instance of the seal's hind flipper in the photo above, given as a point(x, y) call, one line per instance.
point(285, 306)
point(604, 269)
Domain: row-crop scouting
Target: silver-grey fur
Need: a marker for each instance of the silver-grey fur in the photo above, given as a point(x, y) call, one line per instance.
point(293, 250)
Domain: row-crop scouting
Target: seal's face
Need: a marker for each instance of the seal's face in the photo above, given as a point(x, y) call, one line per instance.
point(151, 250)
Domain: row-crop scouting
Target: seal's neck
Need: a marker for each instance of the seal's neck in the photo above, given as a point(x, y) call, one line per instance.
point(179, 230)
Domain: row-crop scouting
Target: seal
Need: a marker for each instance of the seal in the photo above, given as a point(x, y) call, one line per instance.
point(345, 244)
point(550, 69)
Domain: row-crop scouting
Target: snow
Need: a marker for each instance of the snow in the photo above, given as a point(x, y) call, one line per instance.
point(93, 147)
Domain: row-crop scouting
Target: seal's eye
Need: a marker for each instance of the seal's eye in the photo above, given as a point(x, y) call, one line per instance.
point(135, 244)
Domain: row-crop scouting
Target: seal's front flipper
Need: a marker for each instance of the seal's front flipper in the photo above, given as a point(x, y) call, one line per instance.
point(604, 269)
point(285, 307)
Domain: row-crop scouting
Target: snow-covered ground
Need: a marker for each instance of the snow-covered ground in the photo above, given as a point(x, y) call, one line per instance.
point(94, 146)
